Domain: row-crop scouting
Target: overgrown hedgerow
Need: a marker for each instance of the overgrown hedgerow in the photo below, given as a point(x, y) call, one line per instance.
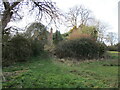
point(20, 48)
point(83, 48)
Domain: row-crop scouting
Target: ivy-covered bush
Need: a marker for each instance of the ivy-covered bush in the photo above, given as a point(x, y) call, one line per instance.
point(16, 49)
point(102, 48)
point(19, 48)
point(37, 47)
point(83, 48)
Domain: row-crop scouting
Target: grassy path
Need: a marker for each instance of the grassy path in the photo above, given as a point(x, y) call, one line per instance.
point(45, 72)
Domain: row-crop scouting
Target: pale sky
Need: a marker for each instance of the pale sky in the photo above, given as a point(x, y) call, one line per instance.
point(103, 10)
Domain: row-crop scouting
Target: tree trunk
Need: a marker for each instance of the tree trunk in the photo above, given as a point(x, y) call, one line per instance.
point(5, 20)
point(7, 14)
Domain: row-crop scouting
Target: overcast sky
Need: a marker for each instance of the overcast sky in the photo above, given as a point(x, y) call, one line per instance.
point(103, 10)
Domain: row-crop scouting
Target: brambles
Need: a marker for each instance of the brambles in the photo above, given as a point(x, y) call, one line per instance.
point(19, 48)
point(82, 48)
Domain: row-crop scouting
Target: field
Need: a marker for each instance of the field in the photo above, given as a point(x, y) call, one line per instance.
point(49, 72)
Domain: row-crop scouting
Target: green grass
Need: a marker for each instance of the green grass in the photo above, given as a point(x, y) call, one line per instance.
point(114, 54)
point(48, 72)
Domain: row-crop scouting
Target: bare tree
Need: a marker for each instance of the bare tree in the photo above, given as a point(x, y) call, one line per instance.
point(78, 15)
point(11, 10)
point(111, 38)
point(101, 28)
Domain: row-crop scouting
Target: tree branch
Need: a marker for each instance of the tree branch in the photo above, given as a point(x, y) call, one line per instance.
point(6, 5)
